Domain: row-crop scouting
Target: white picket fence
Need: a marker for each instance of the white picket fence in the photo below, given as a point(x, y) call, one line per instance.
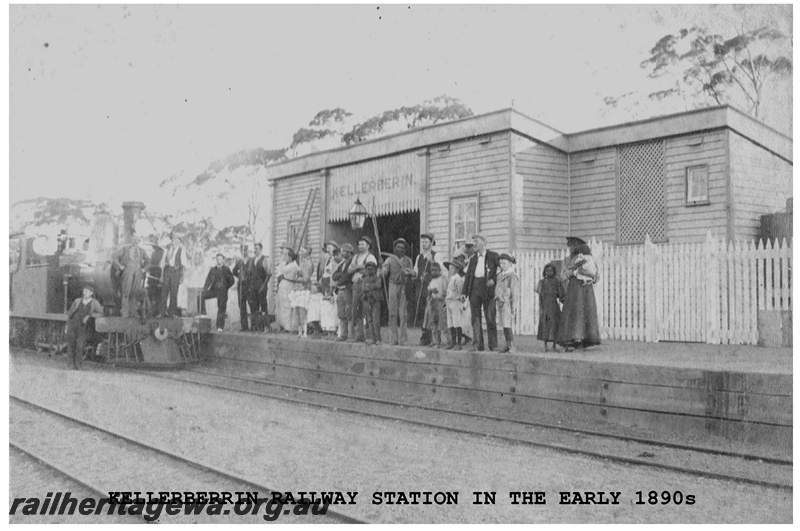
point(708, 292)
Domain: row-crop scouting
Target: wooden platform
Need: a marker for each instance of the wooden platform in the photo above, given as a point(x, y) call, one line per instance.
point(752, 407)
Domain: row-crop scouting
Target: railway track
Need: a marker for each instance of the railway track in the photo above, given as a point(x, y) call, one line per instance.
point(692, 460)
point(104, 461)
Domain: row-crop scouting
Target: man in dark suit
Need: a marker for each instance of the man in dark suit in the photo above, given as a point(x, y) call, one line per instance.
point(262, 271)
point(243, 270)
point(173, 275)
point(218, 282)
point(479, 283)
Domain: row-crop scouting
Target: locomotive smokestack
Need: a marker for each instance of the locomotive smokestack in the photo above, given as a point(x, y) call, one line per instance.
point(131, 211)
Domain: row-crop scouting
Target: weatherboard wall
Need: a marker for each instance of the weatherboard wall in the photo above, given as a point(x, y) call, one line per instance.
point(289, 199)
point(761, 181)
point(540, 195)
point(594, 188)
point(475, 167)
point(593, 194)
point(685, 222)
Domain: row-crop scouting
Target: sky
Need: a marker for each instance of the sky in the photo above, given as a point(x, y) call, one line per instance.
point(108, 101)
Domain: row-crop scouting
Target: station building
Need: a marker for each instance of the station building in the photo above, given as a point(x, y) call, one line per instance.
point(526, 185)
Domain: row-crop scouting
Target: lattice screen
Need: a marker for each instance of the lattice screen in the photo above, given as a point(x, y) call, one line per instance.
point(641, 192)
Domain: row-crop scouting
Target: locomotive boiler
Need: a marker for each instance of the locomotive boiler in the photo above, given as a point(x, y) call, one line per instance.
point(44, 281)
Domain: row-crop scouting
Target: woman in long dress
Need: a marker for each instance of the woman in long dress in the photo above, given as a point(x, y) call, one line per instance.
point(287, 279)
point(329, 318)
point(305, 271)
point(579, 327)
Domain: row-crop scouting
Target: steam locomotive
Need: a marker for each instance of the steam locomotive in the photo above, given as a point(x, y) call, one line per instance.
point(44, 281)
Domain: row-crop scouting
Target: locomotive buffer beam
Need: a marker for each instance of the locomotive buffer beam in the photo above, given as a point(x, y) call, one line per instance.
point(163, 342)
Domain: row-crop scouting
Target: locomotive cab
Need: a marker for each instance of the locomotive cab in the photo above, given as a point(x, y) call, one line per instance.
point(47, 275)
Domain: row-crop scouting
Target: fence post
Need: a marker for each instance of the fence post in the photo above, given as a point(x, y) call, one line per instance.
point(648, 270)
point(712, 290)
point(597, 252)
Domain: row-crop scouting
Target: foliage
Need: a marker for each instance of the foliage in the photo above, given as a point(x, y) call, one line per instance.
point(328, 116)
point(304, 135)
point(721, 70)
point(61, 211)
point(440, 109)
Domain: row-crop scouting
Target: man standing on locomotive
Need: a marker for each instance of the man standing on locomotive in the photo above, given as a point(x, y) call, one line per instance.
point(131, 261)
point(80, 323)
point(173, 275)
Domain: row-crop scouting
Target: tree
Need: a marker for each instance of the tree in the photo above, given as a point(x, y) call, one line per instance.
point(440, 109)
point(328, 126)
point(710, 68)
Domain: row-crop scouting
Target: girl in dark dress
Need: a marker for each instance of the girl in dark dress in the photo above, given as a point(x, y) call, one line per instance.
point(550, 291)
point(579, 327)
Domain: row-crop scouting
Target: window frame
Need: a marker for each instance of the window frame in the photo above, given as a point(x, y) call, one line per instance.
point(467, 198)
point(698, 202)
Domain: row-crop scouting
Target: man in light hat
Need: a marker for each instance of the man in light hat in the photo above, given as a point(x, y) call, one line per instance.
point(479, 288)
point(343, 282)
point(356, 269)
point(130, 262)
point(80, 323)
point(422, 274)
point(397, 269)
point(172, 267)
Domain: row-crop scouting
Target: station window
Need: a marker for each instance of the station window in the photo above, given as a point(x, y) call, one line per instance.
point(464, 216)
point(697, 185)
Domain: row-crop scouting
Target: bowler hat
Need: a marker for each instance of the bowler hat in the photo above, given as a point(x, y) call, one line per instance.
point(370, 264)
point(506, 256)
point(573, 241)
point(335, 245)
point(429, 236)
point(400, 240)
point(367, 239)
point(347, 247)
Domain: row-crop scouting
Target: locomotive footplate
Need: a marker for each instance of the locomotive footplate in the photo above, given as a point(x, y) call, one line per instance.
point(162, 342)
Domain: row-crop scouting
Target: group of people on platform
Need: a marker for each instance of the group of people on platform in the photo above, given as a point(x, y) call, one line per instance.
point(342, 297)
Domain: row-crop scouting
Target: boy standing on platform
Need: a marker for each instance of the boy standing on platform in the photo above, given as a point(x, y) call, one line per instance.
point(506, 295)
point(436, 312)
point(455, 308)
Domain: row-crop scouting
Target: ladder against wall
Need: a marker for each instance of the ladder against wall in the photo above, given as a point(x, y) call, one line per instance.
point(305, 218)
point(710, 292)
